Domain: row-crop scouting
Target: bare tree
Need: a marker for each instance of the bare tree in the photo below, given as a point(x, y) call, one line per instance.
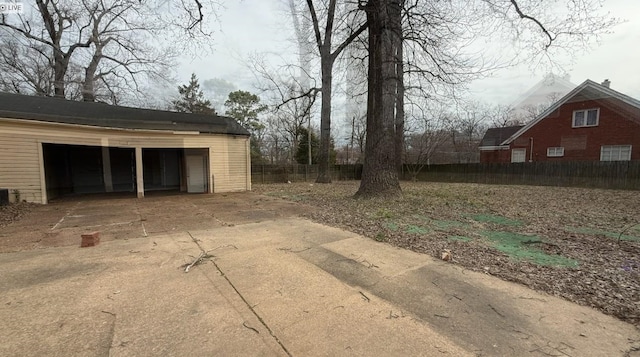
point(25, 69)
point(357, 137)
point(103, 47)
point(119, 53)
point(529, 112)
point(60, 22)
point(430, 136)
point(303, 32)
point(291, 107)
point(379, 173)
point(540, 33)
point(466, 130)
point(502, 116)
point(353, 27)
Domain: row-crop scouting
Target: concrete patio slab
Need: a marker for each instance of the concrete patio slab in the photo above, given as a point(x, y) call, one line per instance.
point(269, 284)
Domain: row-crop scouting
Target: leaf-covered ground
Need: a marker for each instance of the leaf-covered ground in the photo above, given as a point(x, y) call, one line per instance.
point(13, 212)
point(580, 244)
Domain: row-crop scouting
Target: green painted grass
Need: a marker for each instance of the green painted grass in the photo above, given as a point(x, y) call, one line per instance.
point(416, 229)
point(459, 238)
point(513, 244)
point(392, 226)
point(614, 235)
point(489, 218)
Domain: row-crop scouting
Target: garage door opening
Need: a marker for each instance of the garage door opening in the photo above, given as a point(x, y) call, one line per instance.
point(162, 169)
point(78, 169)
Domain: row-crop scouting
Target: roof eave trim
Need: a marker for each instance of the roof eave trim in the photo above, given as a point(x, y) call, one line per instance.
point(494, 147)
point(34, 121)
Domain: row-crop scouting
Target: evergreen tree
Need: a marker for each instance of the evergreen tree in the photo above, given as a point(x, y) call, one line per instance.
point(245, 108)
point(302, 154)
point(192, 99)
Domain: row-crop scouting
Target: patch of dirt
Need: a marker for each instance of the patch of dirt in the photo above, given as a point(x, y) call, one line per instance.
point(13, 212)
point(27, 226)
point(563, 241)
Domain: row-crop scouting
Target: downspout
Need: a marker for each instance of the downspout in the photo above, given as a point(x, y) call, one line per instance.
point(531, 149)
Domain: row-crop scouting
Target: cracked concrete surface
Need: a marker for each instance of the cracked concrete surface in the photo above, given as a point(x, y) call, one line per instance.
point(279, 287)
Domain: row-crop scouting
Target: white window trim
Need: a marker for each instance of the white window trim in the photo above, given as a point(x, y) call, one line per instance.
point(602, 148)
point(586, 112)
point(555, 151)
point(524, 155)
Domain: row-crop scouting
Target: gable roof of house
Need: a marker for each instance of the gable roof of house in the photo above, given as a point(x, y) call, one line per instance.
point(57, 110)
point(495, 136)
point(587, 90)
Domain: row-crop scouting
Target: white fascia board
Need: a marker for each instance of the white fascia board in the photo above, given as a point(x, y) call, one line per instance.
point(494, 148)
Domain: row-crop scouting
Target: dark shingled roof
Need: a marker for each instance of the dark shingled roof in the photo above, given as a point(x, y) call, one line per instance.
point(495, 136)
point(58, 110)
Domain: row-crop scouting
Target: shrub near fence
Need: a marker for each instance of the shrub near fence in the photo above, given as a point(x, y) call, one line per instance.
point(613, 175)
point(301, 173)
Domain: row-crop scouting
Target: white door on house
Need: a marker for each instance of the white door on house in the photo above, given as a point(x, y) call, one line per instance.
point(196, 174)
point(518, 155)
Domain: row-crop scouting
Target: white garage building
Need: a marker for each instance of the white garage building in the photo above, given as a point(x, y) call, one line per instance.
point(52, 147)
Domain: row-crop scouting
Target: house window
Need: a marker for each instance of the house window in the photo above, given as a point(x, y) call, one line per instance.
point(588, 117)
point(518, 155)
point(615, 153)
point(555, 152)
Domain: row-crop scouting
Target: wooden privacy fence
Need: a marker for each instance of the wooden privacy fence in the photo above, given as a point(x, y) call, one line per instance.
point(614, 175)
point(301, 173)
point(597, 174)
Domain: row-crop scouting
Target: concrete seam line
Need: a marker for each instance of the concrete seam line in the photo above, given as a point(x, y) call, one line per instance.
point(255, 313)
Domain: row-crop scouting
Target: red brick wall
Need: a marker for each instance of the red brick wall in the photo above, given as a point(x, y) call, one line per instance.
point(497, 156)
point(619, 124)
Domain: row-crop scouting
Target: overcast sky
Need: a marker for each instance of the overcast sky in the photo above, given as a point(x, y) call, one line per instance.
point(255, 26)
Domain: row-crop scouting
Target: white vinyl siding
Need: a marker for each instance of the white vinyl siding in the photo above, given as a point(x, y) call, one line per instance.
point(615, 153)
point(20, 140)
point(229, 165)
point(586, 118)
point(518, 155)
point(20, 166)
point(555, 151)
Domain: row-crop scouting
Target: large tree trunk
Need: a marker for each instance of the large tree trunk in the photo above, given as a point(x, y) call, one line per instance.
point(399, 119)
point(379, 174)
point(59, 71)
point(88, 87)
point(325, 117)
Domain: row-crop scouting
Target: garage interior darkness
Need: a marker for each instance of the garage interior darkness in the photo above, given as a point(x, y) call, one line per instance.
point(76, 169)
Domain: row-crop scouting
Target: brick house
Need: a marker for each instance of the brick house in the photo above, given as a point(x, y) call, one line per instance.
point(591, 123)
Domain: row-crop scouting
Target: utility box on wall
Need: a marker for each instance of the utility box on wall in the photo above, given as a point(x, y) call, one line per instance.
point(4, 196)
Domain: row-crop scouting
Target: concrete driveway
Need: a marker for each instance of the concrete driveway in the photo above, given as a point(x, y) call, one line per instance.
point(270, 284)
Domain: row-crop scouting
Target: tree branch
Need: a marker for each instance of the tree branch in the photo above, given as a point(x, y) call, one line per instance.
point(530, 18)
point(314, 21)
point(349, 39)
